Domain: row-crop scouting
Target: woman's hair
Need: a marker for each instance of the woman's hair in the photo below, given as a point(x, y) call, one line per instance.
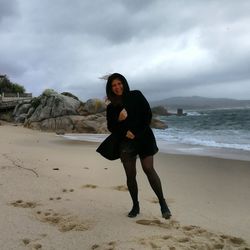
point(110, 94)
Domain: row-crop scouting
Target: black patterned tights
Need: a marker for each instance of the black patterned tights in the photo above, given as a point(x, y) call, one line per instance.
point(154, 180)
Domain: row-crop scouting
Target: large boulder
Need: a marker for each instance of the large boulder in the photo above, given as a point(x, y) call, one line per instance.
point(21, 118)
point(72, 124)
point(159, 110)
point(93, 106)
point(52, 105)
point(158, 124)
point(21, 108)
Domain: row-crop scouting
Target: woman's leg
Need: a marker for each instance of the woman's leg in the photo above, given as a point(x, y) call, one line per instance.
point(155, 183)
point(129, 164)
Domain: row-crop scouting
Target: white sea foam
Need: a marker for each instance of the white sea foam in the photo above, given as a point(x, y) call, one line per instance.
point(217, 139)
point(85, 137)
point(173, 144)
point(193, 113)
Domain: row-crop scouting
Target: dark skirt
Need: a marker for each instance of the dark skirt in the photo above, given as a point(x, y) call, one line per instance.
point(130, 148)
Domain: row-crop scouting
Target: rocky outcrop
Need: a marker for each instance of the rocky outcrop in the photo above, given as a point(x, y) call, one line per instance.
point(70, 95)
point(65, 114)
point(6, 116)
point(93, 106)
point(62, 112)
point(159, 110)
point(156, 123)
point(72, 124)
point(20, 112)
point(54, 106)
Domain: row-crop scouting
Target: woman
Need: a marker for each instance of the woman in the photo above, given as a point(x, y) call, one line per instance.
point(128, 117)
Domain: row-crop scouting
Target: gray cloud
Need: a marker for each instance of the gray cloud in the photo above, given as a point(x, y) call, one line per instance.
point(7, 8)
point(164, 48)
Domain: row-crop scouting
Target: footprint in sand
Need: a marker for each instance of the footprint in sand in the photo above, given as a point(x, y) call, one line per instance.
point(57, 198)
point(89, 186)
point(234, 240)
point(95, 246)
point(120, 188)
point(176, 239)
point(68, 190)
point(109, 246)
point(23, 204)
point(32, 244)
point(26, 241)
point(169, 224)
point(155, 200)
point(63, 222)
point(36, 246)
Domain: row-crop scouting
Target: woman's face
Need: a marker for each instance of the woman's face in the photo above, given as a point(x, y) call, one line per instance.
point(117, 87)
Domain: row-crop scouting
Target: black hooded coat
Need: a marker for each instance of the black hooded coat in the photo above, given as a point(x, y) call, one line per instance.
point(138, 122)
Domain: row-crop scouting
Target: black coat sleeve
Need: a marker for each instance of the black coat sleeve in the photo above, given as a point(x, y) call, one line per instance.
point(143, 115)
point(115, 126)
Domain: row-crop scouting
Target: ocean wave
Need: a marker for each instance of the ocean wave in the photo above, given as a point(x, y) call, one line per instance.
point(85, 137)
point(194, 113)
point(215, 139)
point(211, 143)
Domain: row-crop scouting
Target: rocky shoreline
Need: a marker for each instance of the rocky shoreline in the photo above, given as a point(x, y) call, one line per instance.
point(65, 113)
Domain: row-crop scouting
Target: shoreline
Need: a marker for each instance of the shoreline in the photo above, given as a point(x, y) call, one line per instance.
point(76, 194)
point(174, 148)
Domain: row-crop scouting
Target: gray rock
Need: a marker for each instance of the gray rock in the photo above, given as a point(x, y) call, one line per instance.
point(54, 105)
point(21, 108)
point(49, 92)
point(21, 118)
point(30, 112)
point(63, 113)
point(71, 124)
point(158, 124)
point(60, 132)
point(70, 95)
point(93, 106)
point(159, 110)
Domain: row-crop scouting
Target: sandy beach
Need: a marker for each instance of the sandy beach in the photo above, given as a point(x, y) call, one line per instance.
point(61, 194)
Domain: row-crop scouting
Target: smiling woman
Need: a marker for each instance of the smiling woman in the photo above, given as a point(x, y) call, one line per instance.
point(128, 117)
point(117, 87)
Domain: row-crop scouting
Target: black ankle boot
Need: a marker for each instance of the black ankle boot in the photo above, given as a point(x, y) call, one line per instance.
point(134, 211)
point(165, 210)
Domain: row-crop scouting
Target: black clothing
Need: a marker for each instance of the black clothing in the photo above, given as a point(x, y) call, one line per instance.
point(144, 144)
point(137, 121)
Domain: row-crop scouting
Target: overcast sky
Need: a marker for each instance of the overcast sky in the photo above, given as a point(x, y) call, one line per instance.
point(164, 48)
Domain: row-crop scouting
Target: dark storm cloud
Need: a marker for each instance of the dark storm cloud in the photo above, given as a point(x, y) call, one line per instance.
point(7, 8)
point(163, 47)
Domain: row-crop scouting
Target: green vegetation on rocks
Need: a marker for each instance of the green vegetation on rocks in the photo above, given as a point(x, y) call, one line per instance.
point(6, 86)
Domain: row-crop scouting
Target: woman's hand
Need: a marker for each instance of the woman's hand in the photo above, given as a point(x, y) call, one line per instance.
point(123, 115)
point(130, 135)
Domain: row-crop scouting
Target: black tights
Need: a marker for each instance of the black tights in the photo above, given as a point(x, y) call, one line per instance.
point(148, 168)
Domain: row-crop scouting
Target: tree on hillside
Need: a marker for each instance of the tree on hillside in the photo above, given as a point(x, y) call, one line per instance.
point(6, 86)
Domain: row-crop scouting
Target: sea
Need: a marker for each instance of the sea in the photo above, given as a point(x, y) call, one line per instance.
point(222, 133)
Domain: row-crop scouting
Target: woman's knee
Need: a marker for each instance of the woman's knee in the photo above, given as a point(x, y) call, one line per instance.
point(147, 164)
point(148, 169)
